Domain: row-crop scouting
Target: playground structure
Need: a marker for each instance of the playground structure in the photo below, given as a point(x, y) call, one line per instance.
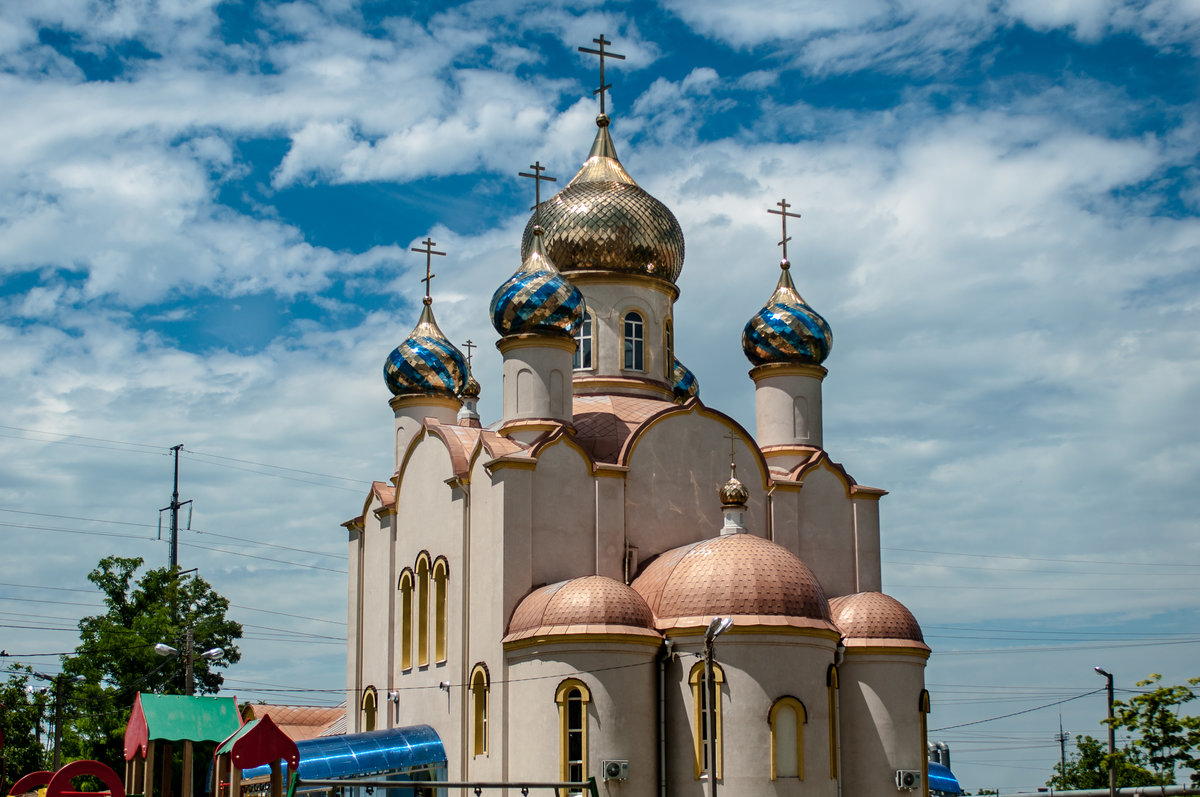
point(156, 724)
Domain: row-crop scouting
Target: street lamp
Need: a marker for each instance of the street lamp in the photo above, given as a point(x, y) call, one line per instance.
point(718, 626)
point(1112, 736)
point(189, 657)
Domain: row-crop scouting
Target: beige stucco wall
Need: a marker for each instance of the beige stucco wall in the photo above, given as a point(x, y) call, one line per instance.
point(675, 471)
point(881, 720)
point(537, 377)
point(564, 515)
point(787, 405)
point(609, 300)
point(826, 535)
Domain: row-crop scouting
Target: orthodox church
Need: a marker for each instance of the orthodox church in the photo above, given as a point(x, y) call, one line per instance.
point(546, 590)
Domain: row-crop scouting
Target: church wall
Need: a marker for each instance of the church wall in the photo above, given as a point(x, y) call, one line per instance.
point(620, 678)
point(784, 509)
point(379, 574)
point(354, 635)
point(564, 538)
point(827, 531)
point(609, 302)
point(675, 471)
point(429, 518)
point(759, 668)
point(610, 526)
point(881, 720)
point(866, 545)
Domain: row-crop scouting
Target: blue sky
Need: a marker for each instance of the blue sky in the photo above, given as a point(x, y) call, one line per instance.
point(205, 216)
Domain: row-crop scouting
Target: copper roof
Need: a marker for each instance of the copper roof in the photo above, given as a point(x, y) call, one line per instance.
point(298, 722)
point(742, 575)
point(604, 422)
point(586, 605)
point(873, 619)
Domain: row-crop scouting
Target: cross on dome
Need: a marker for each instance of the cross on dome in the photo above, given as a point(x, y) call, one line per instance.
point(732, 438)
point(538, 178)
point(428, 251)
point(783, 217)
point(602, 53)
point(469, 345)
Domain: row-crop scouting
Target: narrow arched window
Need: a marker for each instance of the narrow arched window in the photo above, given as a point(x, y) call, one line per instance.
point(923, 707)
point(583, 344)
point(669, 343)
point(422, 617)
point(369, 708)
point(406, 618)
point(831, 685)
point(786, 719)
point(573, 697)
point(635, 342)
point(703, 719)
point(441, 575)
point(480, 694)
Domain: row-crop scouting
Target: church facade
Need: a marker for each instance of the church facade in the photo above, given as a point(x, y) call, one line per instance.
point(542, 590)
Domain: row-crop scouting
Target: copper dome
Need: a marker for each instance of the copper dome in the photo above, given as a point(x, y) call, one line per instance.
point(874, 619)
point(741, 575)
point(586, 605)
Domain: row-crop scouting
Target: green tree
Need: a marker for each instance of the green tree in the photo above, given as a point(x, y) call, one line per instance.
point(21, 711)
point(1167, 738)
point(116, 659)
point(1087, 768)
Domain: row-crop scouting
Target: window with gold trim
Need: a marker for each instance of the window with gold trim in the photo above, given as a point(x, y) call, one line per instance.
point(422, 616)
point(700, 714)
point(787, 718)
point(635, 342)
point(669, 344)
point(441, 575)
point(480, 695)
point(406, 618)
point(369, 706)
point(583, 344)
point(573, 697)
point(831, 686)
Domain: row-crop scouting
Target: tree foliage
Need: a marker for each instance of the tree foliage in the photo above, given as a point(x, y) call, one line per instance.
point(21, 711)
point(115, 658)
point(1167, 738)
point(1087, 768)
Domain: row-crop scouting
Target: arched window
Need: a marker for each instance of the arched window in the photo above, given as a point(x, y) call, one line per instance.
point(635, 342)
point(480, 695)
point(831, 685)
point(422, 618)
point(583, 344)
point(369, 708)
point(700, 713)
point(406, 618)
point(573, 697)
point(923, 707)
point(669, 342)
point(787, 718)
point(441, 574)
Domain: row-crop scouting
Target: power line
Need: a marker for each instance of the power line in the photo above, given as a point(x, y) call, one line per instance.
point(1016, 713)
point(276, 467)
point(1039, 559)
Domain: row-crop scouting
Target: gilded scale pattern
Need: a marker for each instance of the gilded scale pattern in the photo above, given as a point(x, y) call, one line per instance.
point(786, 330)
point(426, 363)
point(537, 298)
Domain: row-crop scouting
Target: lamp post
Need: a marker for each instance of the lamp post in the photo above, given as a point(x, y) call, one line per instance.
point(189, 657)
point(1112, 736)
point(718, 626)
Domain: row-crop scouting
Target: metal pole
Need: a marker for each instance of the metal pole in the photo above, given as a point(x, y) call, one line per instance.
point(711, 685)
point(1112, 736)
point(189, 683)
point(174, 562)
point(58, 697)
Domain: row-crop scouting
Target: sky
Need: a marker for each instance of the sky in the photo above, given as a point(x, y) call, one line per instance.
point(206, 217)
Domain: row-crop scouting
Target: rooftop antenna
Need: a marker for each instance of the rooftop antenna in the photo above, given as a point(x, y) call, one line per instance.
point(429, 252)
point(784, 216)
point(538, 178)
point(603, 54)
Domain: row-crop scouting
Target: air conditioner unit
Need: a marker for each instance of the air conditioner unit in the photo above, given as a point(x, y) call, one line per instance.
point(615, 770)
point(908, 779)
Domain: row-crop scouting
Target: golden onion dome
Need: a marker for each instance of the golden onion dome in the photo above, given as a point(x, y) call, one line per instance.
point(734, 493)
point(604, 221)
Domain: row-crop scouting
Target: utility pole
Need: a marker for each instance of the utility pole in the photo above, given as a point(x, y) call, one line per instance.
point(58, 682)
point(174, 507)
point(1062, 750)
point(1112, 735)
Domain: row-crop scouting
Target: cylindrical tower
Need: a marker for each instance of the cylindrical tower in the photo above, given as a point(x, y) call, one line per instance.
point(787, 341)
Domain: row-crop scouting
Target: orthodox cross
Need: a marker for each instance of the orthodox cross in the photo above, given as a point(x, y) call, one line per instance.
point(468, 346)
point(732, 438)
point(603, 54)
point(784, 215)
point(538, 178)
point(429, 252)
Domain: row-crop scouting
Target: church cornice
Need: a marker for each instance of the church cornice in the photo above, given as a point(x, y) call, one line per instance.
point(853, 488)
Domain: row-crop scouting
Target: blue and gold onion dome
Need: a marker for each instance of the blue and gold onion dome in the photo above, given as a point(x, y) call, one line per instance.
point(787, 330)
point(537, 298)
point(683, 382)
point(426, 363)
